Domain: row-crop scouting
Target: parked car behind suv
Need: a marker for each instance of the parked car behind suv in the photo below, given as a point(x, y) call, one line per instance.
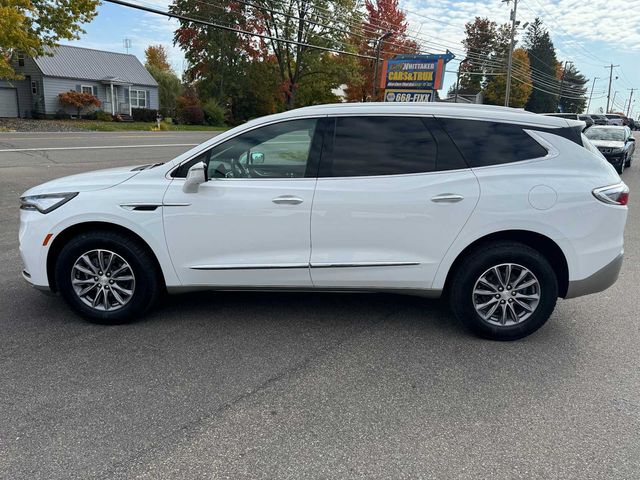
point(500, 210)
point(599, 119)
point(615, 119)
point(615, 143)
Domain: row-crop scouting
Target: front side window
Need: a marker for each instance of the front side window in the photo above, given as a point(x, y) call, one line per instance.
point(280, 150)
point(491, 143)
point(370, 146)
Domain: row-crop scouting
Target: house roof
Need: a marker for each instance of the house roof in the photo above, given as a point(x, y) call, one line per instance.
point(87, 64)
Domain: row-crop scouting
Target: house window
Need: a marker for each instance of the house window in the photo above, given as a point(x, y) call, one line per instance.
point(139, 98)
point(87, 89)
point(34, 87)
point(21, 59)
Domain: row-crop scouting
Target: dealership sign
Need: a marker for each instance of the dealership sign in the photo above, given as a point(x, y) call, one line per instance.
point(413, 78)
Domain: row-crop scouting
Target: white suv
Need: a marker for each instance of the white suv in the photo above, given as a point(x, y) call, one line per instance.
point(501, 210)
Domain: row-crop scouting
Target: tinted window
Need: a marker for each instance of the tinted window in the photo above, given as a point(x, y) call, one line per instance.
point(364, 146)
point(491, 143)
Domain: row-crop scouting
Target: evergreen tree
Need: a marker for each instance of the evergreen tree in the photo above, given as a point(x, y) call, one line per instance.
point(574, 85)
point(543, 61)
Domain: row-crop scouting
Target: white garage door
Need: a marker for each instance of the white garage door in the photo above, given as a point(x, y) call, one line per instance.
point(8, 102)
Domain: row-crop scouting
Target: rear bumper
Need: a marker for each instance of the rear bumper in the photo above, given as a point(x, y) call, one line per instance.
point(597, 282)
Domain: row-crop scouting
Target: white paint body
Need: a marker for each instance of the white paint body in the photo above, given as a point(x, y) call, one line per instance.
point(388, 224)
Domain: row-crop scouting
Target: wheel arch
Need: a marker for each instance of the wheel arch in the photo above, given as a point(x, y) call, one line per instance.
point(72, 231)
point(545, 245)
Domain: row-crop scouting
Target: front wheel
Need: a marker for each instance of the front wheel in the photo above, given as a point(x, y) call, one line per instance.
point(107, 277)
point(620, 166)
point(504, 291)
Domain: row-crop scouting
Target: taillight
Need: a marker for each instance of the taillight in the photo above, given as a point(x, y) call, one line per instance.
point(617, 194)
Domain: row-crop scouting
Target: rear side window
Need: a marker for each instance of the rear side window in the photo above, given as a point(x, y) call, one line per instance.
point(365, 146)
point(491, 143)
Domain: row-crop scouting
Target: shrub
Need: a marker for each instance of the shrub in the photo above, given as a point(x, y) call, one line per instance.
point(78, 100)
point(144, 114)
point(191, 115)
point(59, 115)
point(104, 116)
point(214, 113)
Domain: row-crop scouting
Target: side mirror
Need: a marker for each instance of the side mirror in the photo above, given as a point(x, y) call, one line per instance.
point(257, 158)
point(195, 176)
point(632, 139)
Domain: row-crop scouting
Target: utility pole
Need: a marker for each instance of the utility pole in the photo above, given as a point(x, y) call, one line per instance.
point(564, 72)
point(591, 94)
point(507, 91)
point(613, 102)
point(379, 40)
point(610, 67)
point(630, 97)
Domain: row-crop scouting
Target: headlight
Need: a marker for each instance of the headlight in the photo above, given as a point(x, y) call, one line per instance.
point(45, 203)
point(616, 151)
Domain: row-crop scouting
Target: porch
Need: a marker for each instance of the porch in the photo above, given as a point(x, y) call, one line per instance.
point(118, 96)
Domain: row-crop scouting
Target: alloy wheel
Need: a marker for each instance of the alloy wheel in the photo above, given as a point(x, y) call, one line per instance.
point(506, 294)
point(103, 280)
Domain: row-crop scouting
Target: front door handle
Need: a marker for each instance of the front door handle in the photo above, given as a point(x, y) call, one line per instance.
point(447, 198)
point(287, 200)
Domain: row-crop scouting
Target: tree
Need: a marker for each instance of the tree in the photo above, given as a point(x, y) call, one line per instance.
point(487, 46)
point(78, 100)
point(574, 91)
point(169, 88)
point(543, 62)
point(29, 26)
point(156, 56)
point(220, 57)
point(495, 89)
point(382, 16)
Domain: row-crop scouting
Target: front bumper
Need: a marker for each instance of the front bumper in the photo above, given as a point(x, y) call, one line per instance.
point(597, 282)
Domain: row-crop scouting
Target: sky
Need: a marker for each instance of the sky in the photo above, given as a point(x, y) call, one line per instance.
point(591, 33)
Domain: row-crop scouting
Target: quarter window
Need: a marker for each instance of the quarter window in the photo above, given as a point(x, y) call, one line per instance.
point(491, 143)
point(366, 146)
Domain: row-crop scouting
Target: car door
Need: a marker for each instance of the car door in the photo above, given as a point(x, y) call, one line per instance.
point(248, 224)
point(392, 195)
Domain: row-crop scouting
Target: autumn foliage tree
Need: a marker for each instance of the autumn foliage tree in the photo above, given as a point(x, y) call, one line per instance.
point(78, 100)
point(521, 88)
point(156, 56)
point(29, 26)
point(382, 16)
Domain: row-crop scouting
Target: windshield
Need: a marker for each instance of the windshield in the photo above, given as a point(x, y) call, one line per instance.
point(611, 134)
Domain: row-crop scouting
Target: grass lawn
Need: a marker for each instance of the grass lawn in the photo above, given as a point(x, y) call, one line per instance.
point(99, 126)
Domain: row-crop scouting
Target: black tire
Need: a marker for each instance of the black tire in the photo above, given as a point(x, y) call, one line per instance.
point(627, 162)
point(480, 261)
point(142, 264)
point(620, 167)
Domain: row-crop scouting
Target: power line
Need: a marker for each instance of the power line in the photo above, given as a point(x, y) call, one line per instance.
point(236, 30)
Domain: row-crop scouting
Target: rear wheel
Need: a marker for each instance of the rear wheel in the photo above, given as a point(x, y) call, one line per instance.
point(107, 277)
point(504, 291)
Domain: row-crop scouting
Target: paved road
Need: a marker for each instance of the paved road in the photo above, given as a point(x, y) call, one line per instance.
point(239, 385)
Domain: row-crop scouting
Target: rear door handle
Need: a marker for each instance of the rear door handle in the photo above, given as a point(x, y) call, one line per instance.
point(287, 200)
point(447, 198)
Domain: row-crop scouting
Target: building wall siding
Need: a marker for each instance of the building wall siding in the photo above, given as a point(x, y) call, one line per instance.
point(28, 103)
point(53, 86)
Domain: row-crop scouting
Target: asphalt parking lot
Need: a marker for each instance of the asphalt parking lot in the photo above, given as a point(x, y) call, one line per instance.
point(278, 385)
